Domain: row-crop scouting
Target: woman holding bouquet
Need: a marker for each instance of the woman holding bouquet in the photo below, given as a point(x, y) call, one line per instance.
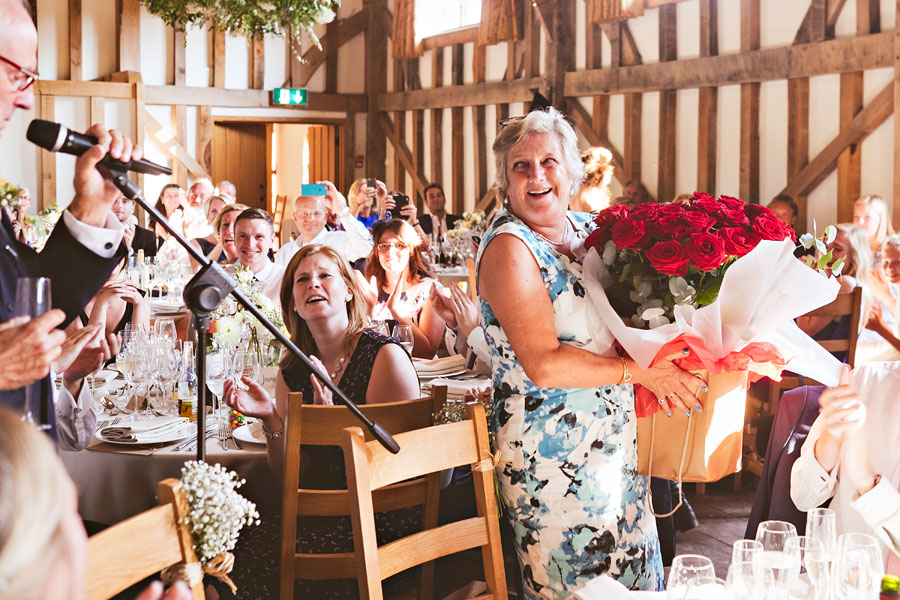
point(563, 415)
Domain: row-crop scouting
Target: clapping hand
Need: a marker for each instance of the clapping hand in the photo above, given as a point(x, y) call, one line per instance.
point(443, 306)
point(253, 401)
point(321, 394)
point(842, 413)
point(465, 310)
point(93, 355)
point(155, 591)
point(368, 287)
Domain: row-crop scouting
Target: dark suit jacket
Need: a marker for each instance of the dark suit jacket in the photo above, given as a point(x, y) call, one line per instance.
point(76, 274)
point(144, 239)
point(425, 222)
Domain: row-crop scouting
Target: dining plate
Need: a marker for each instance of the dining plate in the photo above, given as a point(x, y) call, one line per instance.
point(251, 433)
point(176, 435)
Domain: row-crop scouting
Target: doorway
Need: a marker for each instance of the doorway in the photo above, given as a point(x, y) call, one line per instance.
point(239, 155)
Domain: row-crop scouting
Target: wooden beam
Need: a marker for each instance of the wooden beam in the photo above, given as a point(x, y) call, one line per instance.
point(594, 60)
point(105, 89)
point(749, 136)
point(520, 90)
point(865, 122)
point(418, 130)
point(668, 107)
point(140, 122)
point(174, 149)
point(896, 106)
point(401, 150)
point(478, 125)
point(631, 151)
point(400, 123)
point(708, 106)
point(532, 57)
point(466, 35)
point(47, 167)
point(75, 41)
point(331, 44)
point(98, 110)
point(179, 128)
point(257, 51)
point(582, 121)
point(198, 96)
point(128, 28)
point(345, 29)
point(295, 53)
point(628, 53)
point(218, 70)
point(376, 83)
point(178, 53)
point(818, 22)
point(348, 140)
point(457, 139)
point(560, 50)
point(437, 117)
point(807, 60)
point(797, 138)
point(205, 129)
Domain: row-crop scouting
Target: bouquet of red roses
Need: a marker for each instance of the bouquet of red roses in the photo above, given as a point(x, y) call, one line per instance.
point(663, 255)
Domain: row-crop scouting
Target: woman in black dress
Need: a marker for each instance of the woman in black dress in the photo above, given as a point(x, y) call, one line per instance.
point(325, 312)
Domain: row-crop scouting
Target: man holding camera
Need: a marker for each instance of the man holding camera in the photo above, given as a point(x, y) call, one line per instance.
point(354, 241)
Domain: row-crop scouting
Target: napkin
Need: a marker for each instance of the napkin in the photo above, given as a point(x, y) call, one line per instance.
point(144, 432)
point(103, 377)
point(603, 588)
point(456, 388)
point(447, 364)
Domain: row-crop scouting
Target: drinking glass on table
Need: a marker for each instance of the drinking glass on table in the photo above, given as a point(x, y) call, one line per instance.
point(688, 575)
point(165, 329)
point(246, 364)
point(821, 525)
point(405, 335)
point(32, 300)
point(859, 567)
point(797, 553)
point(773, 535)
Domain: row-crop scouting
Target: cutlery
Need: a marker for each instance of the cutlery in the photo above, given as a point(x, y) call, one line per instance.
point(237, 444)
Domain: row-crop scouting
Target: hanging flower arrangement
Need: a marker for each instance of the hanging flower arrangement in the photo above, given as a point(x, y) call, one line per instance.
point(250, 18)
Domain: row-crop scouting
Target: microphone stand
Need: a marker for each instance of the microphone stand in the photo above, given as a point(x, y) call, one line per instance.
point(203, 293)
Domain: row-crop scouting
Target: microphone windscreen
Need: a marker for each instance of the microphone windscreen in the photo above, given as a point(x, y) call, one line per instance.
point(45, 134)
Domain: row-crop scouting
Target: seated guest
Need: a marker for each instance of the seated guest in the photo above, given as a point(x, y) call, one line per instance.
point(141, 237)
point(226, 188)
point(871, 214)
point(850, 456)
point(364, 201)
point(398, 283)
point(785, 209)
point(212, 208)
point(224, 250)
point(882, 316)
point(438, 222)
point(593, 195)
point(634, 193)
point(325, 312)
point(171, 203)
point(311, 215)
point(196, 224)
point(254, 234)
point(43, 545)
point(117, 303)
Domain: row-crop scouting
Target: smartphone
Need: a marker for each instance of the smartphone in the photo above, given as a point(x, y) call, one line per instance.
point(400, 201)
point(313, 189)
point(372, 183)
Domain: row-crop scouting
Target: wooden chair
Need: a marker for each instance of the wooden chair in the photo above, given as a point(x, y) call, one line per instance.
point(312, 425)
point(126, 553)
point(371, 468)
point(843, 305)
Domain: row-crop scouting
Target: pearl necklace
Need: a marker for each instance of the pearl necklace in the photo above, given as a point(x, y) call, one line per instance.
point(338, 368)
point(551, 242)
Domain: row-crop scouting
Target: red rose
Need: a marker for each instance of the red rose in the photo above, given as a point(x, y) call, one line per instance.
point(647, 211)
point(738, 240)
point(696, 221)
point(756, 210)
point(667, 227)
point(730, 217)
point(608, 217)
point(597, 239)
point(669, 258)
point(629, 234)
point(768, 227)
point(732, 203)
point(671, 209)
point(702, 196)
point(706, 251)
point(707, 205)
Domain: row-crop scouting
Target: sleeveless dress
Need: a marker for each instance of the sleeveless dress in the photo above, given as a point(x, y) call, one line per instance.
point(258, 553)
point(568, 473)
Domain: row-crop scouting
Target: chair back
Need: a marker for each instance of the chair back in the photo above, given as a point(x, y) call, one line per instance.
point(312, 425)
point(370, 468)
point(126, 553)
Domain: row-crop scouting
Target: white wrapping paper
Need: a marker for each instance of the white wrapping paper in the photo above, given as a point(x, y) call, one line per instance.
point(761, 294)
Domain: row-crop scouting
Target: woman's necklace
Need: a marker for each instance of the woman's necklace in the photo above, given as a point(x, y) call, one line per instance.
point(551, 242)
point(338, 367)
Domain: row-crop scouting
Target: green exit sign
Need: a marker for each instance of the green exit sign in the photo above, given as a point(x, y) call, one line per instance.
point(290, 96)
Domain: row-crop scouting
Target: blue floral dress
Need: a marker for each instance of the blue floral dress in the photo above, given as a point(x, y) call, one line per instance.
point(568, 471)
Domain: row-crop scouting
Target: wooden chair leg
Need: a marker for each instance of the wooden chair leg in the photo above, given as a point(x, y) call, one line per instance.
point(701, 488)
point(737, 481)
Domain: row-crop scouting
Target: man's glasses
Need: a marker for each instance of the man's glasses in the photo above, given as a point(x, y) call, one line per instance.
point(316, 214)
point(387, 246)
point(24, 78)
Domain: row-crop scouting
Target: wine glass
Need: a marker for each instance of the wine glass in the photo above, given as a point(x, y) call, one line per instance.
point(405, 335)
point(820, 524)
point(688, 574)
point(218, 369)
point(773, 535)
point(32, 300)
point(246, 364)
point(859, 567)
point(795, 555)
point(165, 329)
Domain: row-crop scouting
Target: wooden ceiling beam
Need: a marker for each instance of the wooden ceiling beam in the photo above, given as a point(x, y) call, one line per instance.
point(401, 150)
point(313, 58)
point(520, 90)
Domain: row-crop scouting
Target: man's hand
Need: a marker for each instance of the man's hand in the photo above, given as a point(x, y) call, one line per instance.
point(27, 348)
point(90, 359)
point(336, 201)
point(74, 344)
point(94, 191)
point(155, 591)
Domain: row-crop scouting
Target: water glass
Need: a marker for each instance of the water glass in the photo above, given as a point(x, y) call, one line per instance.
point(404, 333)
point(773, 535)
point(796, 552)
point(32, 300)
point(689, 574)
point(859, 567)
point(820, 524)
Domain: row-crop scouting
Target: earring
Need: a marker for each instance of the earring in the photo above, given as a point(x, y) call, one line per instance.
point(506, 201)
point(349, 298)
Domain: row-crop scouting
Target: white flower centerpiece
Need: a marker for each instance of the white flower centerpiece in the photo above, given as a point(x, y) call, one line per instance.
point(217, 515)
point(467, 233)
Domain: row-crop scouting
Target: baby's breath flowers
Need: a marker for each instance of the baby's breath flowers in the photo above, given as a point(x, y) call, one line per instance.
point(218, 511)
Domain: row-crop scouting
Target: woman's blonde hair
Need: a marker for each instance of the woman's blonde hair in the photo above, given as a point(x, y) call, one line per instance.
point(859, 260)
point(418, 266)
point(516, 129)
point(209, 200)
point(357, 310)
point(31, 509)
point(355, 197)
point(217, 224)
point(885, 228)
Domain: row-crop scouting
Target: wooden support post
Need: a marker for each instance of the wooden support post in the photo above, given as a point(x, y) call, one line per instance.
point(75, 41)
point(128, 47)
point(376, 83)
point(218, 70)
point(331, 43)
point(798, 140)
point(749, 158)
point(179, 126)
point(708, 102)
point(140, 126)
point(47, 195)
point(593, 60)
point(532, 42)
point(348, 135)
point(478, 125)
point(631, 150)
point(414, 82)
point(437, 118)
point(257, 63)
point(178, 53)
point(668, 114)
point(400, 124)
point(204, 137)
point(560, 50)
point(457, 141)
point(98, 110)
point(296, 67)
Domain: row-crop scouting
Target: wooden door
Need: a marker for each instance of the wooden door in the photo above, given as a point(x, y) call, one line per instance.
point(239, 155)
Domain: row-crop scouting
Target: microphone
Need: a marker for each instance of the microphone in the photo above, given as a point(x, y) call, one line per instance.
point(59, 138)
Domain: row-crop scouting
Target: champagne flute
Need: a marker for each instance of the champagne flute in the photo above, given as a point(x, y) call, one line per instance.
point(32, 300)
point(859, 567)
point(404, 333)
point(797, 550)
point(820, 524)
